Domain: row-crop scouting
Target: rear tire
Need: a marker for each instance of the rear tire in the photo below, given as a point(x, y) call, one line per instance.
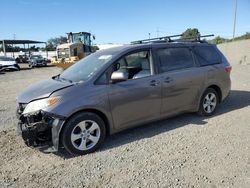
point(83, 133)
point(209, 102)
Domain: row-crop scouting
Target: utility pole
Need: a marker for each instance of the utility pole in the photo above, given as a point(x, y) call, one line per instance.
point(4, 50)
point(235, 16)
point(14, 38)
point(157, 32)
point(149, 35)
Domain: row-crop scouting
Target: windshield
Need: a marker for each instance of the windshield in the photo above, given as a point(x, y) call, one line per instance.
point(85, 68)
point(36, 57)
point(3, 58)
point(84, 38)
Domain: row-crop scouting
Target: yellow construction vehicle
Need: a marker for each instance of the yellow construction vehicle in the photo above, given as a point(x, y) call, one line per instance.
point(78, 47)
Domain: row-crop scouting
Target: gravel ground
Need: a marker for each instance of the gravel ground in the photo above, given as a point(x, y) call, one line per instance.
point(184, 151)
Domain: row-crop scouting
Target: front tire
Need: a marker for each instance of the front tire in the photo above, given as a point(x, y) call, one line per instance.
point(83, 133)
point(209, 102)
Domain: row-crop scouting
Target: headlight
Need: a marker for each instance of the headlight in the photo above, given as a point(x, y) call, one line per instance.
point(40, 104)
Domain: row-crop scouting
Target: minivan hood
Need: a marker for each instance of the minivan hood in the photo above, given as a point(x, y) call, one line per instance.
point(42, 89)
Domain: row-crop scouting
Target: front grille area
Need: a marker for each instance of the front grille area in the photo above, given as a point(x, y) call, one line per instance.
point(35, 128)
point(63, 53)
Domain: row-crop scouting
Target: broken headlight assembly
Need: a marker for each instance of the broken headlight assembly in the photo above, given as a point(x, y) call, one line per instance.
point(40, 104)
point(39, 129)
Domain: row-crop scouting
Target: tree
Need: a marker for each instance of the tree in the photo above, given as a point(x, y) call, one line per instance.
point(243, 37)
point(34, 48)
point(52, 43)
point(218, 40)
point(10, 48)
point(190, 33)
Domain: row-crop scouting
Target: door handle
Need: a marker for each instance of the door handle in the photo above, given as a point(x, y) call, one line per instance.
point(154, 83)
point(168, 80)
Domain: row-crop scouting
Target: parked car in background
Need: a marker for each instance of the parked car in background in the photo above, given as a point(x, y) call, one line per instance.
point(119, 88)
point(37, 61)
point(8, 63)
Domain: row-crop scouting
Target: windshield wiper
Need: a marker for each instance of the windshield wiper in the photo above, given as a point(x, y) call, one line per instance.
point(56, 77)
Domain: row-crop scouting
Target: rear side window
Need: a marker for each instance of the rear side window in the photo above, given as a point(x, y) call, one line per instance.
point(174, 59)
point(207, 55)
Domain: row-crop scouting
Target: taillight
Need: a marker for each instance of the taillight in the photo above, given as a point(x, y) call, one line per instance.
point(228, 69)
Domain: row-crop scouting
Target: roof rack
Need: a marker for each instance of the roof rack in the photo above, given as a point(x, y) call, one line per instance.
point(169, 39)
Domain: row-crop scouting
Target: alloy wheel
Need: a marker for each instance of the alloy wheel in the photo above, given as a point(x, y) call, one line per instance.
point(85, 135)
point(209, 103)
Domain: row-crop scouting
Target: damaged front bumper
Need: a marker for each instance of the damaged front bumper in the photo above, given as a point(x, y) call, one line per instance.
point(40, 130)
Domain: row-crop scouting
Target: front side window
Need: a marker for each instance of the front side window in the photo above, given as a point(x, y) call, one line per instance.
point(174, 59)
point(207, 55)
point(137, 65)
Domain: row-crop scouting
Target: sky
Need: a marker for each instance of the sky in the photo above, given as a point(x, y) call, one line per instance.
point(120, 21)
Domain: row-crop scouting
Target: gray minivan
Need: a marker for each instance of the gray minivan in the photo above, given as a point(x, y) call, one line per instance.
point(119, 88)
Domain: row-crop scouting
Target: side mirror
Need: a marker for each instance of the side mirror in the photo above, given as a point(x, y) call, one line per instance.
point(119, 76)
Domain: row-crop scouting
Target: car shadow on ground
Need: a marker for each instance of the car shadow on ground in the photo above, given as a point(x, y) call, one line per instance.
point(236, 100)
point(8, 70)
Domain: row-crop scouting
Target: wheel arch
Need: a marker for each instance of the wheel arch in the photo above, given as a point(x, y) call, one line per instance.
point(217, 89)
point(213, 86)
point(92, 110)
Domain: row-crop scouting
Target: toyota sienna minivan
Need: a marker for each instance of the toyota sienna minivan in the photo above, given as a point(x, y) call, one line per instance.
point(119, 88)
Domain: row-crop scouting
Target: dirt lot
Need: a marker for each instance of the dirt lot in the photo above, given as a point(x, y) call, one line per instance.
point(185, 151)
